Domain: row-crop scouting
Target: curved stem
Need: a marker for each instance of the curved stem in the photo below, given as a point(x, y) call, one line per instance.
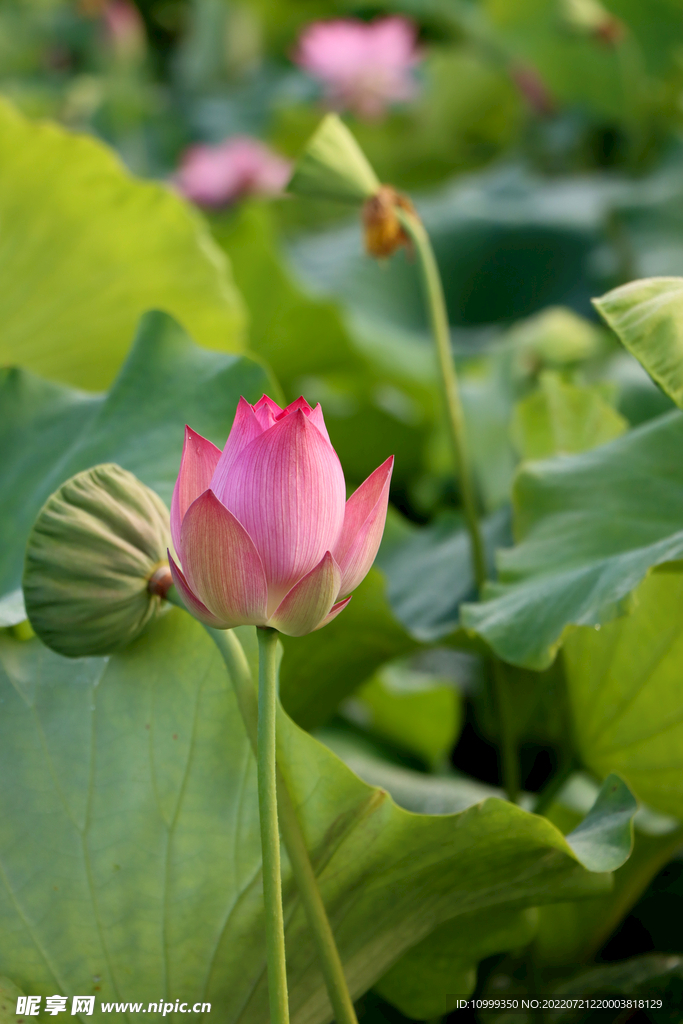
point(237, 665)
point(270, 833)
point(456, 420)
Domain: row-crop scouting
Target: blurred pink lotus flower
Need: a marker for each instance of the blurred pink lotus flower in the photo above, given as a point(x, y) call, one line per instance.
point(533, 89)
point(239, 166)
point(263, 531)
point(124, 29)
point(363, 66)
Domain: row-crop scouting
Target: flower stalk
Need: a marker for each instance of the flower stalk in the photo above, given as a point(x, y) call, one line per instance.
point(414, 229)
point(270, 833)
point(237, 665)
point(436, 305)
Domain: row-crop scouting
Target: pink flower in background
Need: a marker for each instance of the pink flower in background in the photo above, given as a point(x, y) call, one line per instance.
point(364, 67)
point(263, 530)
point(124, 29)
point(239, 166)
point(533, 89)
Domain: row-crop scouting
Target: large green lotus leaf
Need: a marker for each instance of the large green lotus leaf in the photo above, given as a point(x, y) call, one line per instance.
point(624, 683)
point(428, 572)
point(574, 932)
point(9, 993)
point(418, 713)
point(562, 419)
point(86, 249)
point(129, 839)
point(49, 432)
point(324, 667)
point(420, 792)
point(604, 839)
point(648, 317)
point(430, 978)
point(590, 527)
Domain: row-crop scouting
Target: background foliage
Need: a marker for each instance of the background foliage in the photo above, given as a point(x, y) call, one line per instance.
point(547, 163)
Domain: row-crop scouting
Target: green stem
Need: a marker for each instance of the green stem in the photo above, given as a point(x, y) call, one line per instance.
point(456, 421)
point(330, 962)
point(270, 833)
point(508, 741)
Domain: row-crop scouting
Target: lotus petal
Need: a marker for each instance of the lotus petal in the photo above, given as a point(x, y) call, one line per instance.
point(334, 611)
point(287, 489)
point(298, 403)
point(310, 601)
point(245, 428)
point(364, 518)
point(316, 417)
point(266, 412)
point(197, 465)
point(221, 564)
point(190, 600)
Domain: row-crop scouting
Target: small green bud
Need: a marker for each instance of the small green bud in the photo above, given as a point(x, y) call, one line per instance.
point(94, 559)
point(333, 166)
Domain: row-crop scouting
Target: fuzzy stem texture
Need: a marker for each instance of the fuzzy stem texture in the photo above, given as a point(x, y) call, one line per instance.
point(270, 833)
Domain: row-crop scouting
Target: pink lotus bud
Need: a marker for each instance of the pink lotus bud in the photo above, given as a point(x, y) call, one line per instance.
point(263, 531)
point(363, 67)
point(239, 166)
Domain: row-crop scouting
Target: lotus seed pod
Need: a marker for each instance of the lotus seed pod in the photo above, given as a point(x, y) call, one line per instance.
point(334, 167)
point(93, 562)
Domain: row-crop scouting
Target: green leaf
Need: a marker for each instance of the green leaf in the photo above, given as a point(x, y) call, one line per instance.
point(321, 669)
point(49, 432)
point(87, 250)
point(574, 932)
point(563, 419)
point(419, 713)
point(413, 790)
point(129, 839)
point(9, 993)
point(429, 980)
point(648, 318)
point(625, 692)
point(604, 839)
point(590, 527)
point(429, 572)
point(655, 976)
